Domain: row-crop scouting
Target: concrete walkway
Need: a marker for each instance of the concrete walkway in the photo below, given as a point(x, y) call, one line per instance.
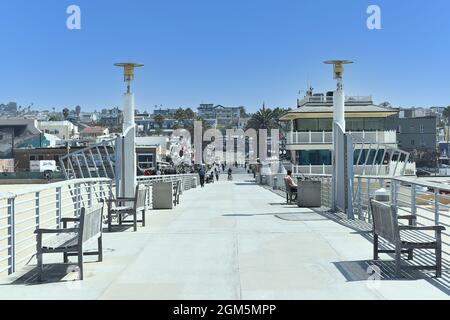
point(226, 242)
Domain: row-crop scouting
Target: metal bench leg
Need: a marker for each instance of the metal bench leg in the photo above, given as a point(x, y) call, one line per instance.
point(375, 247)
point(410, 254)
point(100, 249)
point(65, 257)
point(109, 221)
point(135, 220)
point(40, 266)
point(39, 254)
point(398, 257)
point(438, 255)
point(80, 263)
point(143, 218)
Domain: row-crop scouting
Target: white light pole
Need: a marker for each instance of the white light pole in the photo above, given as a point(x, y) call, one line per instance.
point(128, 149)
point(341, 153)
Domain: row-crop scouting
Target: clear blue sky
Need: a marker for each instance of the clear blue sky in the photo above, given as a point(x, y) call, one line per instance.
point(231, 52)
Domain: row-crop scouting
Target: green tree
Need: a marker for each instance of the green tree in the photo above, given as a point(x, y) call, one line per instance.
point(264, 118)
point(180, 114)
point(446, 114)
point(242, 112)
point(78, 110)
point(66, 113)
point(189, 114)
point(159, 120)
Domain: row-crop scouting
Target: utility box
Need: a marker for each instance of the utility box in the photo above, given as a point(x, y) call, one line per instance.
point(162, 195)
point(309, 194)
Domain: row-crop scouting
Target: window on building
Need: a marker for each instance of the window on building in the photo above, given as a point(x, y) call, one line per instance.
point(400, 129)
point(145, 161)
point(422, 128)
point(40, 158)
point(412, 142)
point(32, 158)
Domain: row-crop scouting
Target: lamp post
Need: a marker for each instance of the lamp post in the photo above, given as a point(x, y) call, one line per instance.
point(342, 171)
point(127, 169)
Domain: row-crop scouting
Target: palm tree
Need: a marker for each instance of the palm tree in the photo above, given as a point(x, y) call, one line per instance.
point(159, 120)
point(180, 115)
point(78, 111)
point(263, 119)
point(242, 112)
point(189, 114)
point(65, 113)
point(446, 114)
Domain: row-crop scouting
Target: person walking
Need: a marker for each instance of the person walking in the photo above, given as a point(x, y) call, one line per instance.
point(201, 174)
point(217, 174)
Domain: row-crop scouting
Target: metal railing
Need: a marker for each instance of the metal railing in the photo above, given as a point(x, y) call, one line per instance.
point(329, 99)
point(94, 161)
point(188, 181)
point(427, 200)
point(42, 207)
point(326, 137)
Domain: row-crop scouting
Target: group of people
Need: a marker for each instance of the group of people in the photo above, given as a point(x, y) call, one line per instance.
point(204, 176)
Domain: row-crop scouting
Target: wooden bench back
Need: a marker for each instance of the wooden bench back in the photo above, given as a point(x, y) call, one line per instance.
point(90, 223)
point(140, 198)
point(385, 221)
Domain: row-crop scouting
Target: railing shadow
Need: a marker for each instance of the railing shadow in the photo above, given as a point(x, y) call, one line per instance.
point(421, 257)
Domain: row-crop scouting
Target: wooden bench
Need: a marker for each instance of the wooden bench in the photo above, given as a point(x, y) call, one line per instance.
point(120, 209)
point(385, 225)
point(176, 192)
point(70, 241)
point(290, 196)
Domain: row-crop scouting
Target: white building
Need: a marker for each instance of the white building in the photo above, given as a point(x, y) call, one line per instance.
point(64, 130)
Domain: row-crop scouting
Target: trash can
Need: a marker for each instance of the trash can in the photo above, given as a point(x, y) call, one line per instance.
point(309, 194)
point(263, 180)
point(275, 183)
point(382, 195)
point(162, 195)
point(194, 182)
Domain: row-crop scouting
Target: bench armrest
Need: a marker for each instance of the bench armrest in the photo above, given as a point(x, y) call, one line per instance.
point(124, 199)
point(430, 228)
point(55, 231)
point(407, 217)
point(66, 220)
point(411, 219)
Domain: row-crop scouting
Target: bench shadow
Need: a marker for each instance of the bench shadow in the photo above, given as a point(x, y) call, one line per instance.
point(421, 257)
point(365, 269)
point(118, 229)
point(244, 183)
point(53, 273)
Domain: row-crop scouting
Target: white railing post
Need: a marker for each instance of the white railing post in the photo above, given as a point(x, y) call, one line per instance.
point(37, 209)
point(436, 206)
point(58, 206)
point(11, 236)
point(310, 137)
point(359, 197)
point(90, 194)
point(413, 201)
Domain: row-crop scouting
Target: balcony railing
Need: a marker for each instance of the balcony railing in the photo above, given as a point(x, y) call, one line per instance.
point(329, 99)
point(326, 137)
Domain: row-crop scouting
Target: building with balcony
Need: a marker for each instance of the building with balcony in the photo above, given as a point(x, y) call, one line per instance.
point(64, 130)
point(311, 137)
